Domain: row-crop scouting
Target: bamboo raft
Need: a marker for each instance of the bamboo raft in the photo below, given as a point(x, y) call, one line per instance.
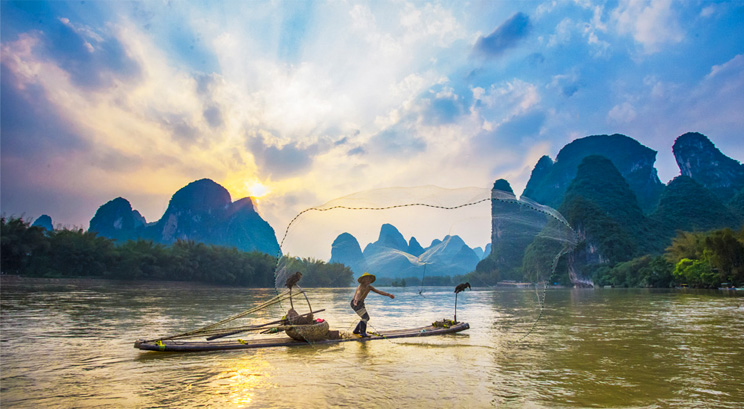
point(301, 329)
point(437, 328)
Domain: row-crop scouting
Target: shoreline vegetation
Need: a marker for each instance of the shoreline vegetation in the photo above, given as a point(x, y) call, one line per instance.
point(694, 259)
point(36, 252)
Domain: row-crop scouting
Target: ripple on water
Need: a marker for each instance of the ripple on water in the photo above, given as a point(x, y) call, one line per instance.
point(68, 345)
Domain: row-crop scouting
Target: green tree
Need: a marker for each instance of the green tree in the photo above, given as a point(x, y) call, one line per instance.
point(686, 245)
point(697, 273)
point(141, 259)
point(75, 253)
point(20, 243)
point(318, 273)
point(726, 254)
point(658, 273)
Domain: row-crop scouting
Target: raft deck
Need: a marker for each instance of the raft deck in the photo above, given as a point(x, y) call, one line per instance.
point(194, 346)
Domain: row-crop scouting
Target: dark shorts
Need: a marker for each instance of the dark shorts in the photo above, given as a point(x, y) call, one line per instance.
point(361, 310)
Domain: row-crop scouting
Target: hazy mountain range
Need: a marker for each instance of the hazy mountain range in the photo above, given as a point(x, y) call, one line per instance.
point(391, 256)
point(606, 186)
point(202, 211)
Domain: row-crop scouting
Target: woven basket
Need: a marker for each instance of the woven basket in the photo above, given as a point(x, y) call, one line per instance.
point(309, 333)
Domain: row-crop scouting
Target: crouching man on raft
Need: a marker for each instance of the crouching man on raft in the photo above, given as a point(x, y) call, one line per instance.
point(357, 303)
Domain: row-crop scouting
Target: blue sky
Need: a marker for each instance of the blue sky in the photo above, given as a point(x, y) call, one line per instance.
point(299, 102)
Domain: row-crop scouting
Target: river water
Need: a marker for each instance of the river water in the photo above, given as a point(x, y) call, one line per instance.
point(69, 343)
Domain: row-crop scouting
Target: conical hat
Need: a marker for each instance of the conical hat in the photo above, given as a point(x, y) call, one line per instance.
point(372, 278)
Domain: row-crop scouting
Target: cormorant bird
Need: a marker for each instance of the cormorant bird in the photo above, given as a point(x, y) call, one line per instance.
point(460, 288)
point(291, 282)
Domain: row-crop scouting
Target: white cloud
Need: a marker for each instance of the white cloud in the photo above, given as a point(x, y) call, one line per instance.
point(622, 113)
point(652, 23)
point(708, 11)
point(661, 90)
point(562, 32)
point(512, 98)
point(431, 22)
point(590, 30)
point(734, 66)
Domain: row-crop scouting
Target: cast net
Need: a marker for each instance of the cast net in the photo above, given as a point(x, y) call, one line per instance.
point(428, 236)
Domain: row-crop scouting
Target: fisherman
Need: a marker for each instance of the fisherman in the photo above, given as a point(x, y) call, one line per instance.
point(357, 303)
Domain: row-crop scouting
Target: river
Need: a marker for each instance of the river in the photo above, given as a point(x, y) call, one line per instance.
point(69, 343)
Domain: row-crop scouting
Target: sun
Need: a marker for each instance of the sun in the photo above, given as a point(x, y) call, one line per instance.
point(256, 189)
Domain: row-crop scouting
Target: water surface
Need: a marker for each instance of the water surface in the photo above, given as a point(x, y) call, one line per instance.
point(68, 343)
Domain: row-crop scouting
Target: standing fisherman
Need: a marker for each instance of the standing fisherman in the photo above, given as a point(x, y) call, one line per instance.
point(357, 303)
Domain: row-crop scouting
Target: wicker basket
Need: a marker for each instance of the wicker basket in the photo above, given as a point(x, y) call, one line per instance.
point(309, 333)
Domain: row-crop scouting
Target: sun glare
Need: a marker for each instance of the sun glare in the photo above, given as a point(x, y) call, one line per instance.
point(257, 189)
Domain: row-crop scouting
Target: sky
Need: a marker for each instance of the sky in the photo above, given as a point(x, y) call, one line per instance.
point(299, 102)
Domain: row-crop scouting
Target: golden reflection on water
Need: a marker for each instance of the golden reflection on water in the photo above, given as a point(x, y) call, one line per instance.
point(71, 346)
point(237, 384)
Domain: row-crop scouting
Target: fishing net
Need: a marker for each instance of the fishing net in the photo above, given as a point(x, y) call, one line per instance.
point(428, 235)
point(367, 232)
point(419, 232)
point(528, 241)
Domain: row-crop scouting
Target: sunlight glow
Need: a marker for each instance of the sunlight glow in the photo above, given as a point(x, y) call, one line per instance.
point(257, 189)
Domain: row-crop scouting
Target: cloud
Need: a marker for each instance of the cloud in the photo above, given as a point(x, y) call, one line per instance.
point(563, 33)
point(621, 113)
point(717, 102)
point(396, 142)
point(443, 105)
point(280, 161)
point(357, 151)
point(708, 11)
point(730, 70)
point(297, 21)
point(206, 87)
point(523, 126)
point(141, 98)
point(652, 23)
point(32, 126)
point(93, 59)
point(502, 101)
point(567, 84)
point(504, 37)
point(213, 116)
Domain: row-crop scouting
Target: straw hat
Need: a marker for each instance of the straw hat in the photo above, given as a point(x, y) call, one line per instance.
point(371, 278)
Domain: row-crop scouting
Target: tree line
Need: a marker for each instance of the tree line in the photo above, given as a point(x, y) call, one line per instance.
point(34, 251)
point(695, 259)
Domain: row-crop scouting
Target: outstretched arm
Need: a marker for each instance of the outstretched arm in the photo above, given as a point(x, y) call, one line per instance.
point(381, 292)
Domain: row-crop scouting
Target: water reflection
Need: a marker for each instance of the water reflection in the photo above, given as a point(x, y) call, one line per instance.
point(237, 383)
point(69, 344)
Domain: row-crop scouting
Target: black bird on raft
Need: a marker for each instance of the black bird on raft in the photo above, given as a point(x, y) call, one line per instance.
point(291, 282)
point(460, 288)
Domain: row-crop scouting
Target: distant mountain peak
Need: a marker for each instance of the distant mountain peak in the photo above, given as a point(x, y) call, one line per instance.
point(688, 205)
point(391, 237)
point(203, 195)
point(635, 162)
point(201, 211)
point(117, 220)
point(391, 256)
point(699, 159)
point(503, 185)
point(44, 221)
point(346, 250)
